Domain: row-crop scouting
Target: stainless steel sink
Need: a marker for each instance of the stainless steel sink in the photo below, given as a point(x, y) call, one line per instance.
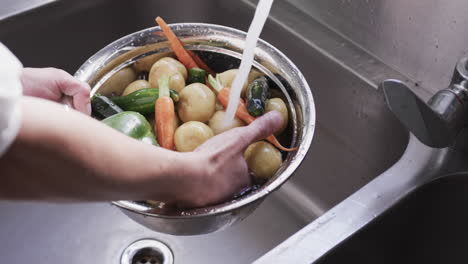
point(347, 152)
point(99, 233)
point(428, 226)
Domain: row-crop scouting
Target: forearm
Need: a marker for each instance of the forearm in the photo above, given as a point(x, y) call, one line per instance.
point(64, 155)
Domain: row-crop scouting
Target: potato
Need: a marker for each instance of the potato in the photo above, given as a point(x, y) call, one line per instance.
point(197, 103)
point(217, 123)
point(263, 159)
point(190, 135)
point(218, 106)
point(278, 105)
point(118, 82)
point(177, 64)
point(135, 86)
point(170, 69)
point(176, 121)
point(176, 83)
point(226, 78)
point(145, 64)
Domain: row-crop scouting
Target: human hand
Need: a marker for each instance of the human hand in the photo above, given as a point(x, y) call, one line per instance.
point(53, 158)
point(218, 168)
point(53, 84)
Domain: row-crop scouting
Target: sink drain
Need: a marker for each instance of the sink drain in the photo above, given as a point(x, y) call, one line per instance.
point(147, 251)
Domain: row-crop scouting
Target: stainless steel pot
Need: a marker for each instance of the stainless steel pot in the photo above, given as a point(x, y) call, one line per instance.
point(224, 47)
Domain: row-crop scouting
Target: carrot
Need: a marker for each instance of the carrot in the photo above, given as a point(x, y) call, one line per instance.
point(176, 45)
point(207, 83)
point(243, 114)
point(196, 61)
point(164, 115)
point(276, 143)
point(223, 97)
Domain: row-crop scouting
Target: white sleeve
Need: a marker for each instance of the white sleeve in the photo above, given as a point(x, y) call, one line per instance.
point(10, 93)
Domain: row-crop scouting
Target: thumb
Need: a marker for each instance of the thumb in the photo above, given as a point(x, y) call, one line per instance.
point(261, 128)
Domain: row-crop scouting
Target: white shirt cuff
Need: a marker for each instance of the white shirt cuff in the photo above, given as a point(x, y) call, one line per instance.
point(10, 94)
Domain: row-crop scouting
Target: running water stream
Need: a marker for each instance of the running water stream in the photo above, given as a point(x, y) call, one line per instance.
point(260, 17)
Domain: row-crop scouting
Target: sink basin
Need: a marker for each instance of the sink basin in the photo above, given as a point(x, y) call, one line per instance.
point(428, 226)
point(99, 233)
point(346, 154)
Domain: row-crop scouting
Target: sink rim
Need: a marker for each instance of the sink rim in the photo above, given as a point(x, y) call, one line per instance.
point(381, 225)
point(419, 165)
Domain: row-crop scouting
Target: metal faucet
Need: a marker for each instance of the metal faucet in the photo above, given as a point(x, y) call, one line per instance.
point(438, 122)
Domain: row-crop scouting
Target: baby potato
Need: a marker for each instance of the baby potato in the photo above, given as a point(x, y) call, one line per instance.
point(217, 123)
point(177, 64)
point(177, 80)
point(190, 135)
point(218, 106)
point(145, 64)
point(263, 159)
point(226, 78)
point(197, 103)
point(135, 86)
point(118, 82)
point(176, 121)
point(278, 105)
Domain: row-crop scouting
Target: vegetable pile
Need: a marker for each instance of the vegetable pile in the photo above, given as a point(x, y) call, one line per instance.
point(178, 104)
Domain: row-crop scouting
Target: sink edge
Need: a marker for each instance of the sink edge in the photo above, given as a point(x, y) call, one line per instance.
point(418, 164)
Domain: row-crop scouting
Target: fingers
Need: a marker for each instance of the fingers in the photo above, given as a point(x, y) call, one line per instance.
point(81, 101)
point(80, 91)
point(238, 139)
point(215, 188)
point(52, 84)
point(261, 128)
point(39, 83)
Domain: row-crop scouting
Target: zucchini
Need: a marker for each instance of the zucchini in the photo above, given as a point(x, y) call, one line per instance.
point(103, 107)
point(196, 75)
point(257, 94)
point(141, 101)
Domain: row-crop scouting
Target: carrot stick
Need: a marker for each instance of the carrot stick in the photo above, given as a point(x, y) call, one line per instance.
point(176, 45)
point(207, 83)
point(243, 114)
point(276, 143)
point(196, 59)
point(164, 115)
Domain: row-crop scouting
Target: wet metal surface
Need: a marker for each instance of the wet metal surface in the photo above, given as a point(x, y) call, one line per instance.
point(346, 153)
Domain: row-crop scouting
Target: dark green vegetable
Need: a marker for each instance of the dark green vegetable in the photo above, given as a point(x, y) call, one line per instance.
point(141, 101)
point(103, 107)
point(196, 75)
point(257, 94)
point(133, 125)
